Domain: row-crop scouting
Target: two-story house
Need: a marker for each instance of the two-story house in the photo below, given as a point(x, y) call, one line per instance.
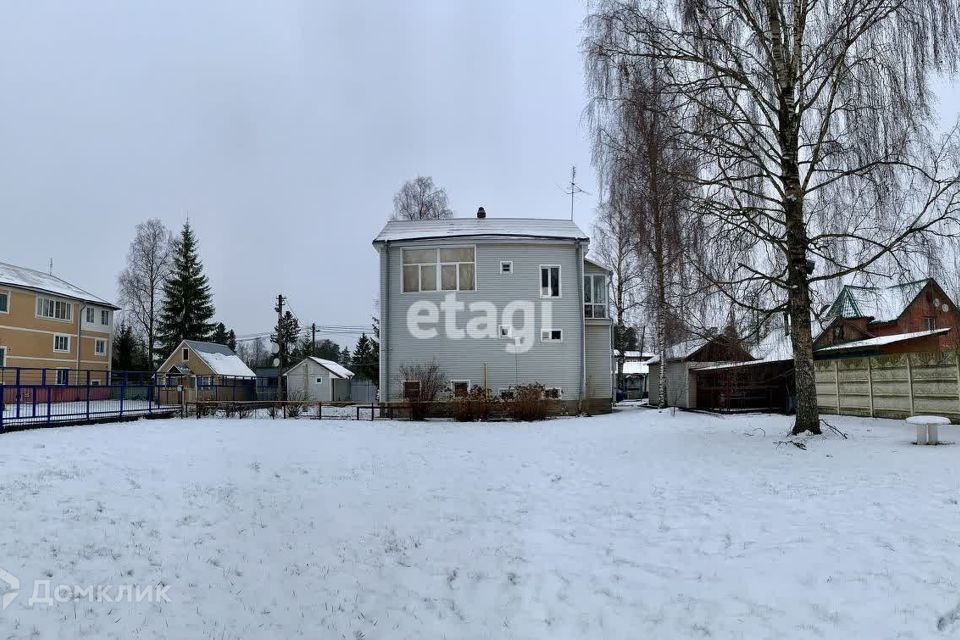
point(496, 303)
point(919, 315)
point(49, 323)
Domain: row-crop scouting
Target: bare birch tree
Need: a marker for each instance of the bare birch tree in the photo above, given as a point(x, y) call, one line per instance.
point(647, 183)
point(420, 199)
point(149, 260)
point(811, 123)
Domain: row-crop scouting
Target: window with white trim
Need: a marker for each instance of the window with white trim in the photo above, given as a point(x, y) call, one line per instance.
point(504, 331)
point(929, 323)
point(506, 393)
point(4, 302)
point(460, 388)
point(61, 344)
point(100, 347)
point(55, 309)
point(445, 269)
point(104, 317)
point(318, 381)
point(63, 376)
point(595, 296)
point(549, 281)
point(506, 267)
point(553, 393)
point(91, 314)
point(551, 335)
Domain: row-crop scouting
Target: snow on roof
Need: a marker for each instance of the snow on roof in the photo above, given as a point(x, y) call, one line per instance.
point(776, 347)
point(635, 368)
point(473, 227)
point(599, 265)
point(882, 340)
point(44, 282)
point(334, 367)
point(681, 350)
point(220, 358)
point(637, 355)
point(883, 304)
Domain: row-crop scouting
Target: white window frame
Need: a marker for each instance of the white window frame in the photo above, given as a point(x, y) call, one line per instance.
point(57, 336)
point(318, 380)
point(559, 391)
point(504, 331)
point(90, 314)
point(105, 317)
point(509, 265)
point(453, 388)
point(41, 304)
point(3, 357)
point(438, 265)
point(606, 295)
point(65, 382)
point(506, 391)
point(96, 347)
point(95, 382)
point(559, 269)
point(549, 337)
point(6, 293)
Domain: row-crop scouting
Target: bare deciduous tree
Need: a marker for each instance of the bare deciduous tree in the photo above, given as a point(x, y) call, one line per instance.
point(810, 120)
point(648, 190)
point(141, 281)
point(420, 199)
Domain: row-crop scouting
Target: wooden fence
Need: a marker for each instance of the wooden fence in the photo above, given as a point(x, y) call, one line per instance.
point(891, 386)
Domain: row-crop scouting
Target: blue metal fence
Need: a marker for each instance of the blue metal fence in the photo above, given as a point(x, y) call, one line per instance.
point(40, 397)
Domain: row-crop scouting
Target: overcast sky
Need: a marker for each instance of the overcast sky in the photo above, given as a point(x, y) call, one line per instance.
point(283, 130)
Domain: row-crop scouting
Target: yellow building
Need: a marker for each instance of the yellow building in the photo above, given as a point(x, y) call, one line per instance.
point(49, 323)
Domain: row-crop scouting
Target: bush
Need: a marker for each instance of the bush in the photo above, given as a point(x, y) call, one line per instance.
point(430, 380)
point(528, 403)
point(296, 405)
point(477, 405)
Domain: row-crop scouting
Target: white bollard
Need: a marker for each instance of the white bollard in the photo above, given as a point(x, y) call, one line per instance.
point(921, 434)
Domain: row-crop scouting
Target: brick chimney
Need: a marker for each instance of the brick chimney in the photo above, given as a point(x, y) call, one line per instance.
point(481, 214)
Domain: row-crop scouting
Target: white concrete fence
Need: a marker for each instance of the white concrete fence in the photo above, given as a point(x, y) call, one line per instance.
point(891, 386)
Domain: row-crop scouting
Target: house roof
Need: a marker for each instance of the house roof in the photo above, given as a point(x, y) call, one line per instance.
point(599, 265)
point(34, 280)
point(681, 350)
point(882, 304)
point(541, 228)
point(335, 368)
point(220, 358)
point(636, 355)
point(633, 368)
point(882, 340)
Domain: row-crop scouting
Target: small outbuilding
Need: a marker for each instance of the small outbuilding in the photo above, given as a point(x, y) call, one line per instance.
point(209, 371)
point(317, 380)
point(685, 357)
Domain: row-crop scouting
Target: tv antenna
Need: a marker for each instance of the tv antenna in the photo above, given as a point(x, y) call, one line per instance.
point(574, 189)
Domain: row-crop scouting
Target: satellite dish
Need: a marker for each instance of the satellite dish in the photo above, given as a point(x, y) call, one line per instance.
point(276, 362)
point(274, 348)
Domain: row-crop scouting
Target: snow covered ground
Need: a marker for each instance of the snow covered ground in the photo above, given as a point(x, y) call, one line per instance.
point(635, 525)
point(72, 411)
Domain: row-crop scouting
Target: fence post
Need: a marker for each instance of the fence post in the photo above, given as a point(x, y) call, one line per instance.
point(88, 395)
point(870, 382)
point(3, 405)
point(956, 359)
point(910, 382)
point(123, 391)
point(836, 377)
point(19, 393)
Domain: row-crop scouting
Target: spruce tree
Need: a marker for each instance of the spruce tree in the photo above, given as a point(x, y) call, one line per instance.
point(187, 302)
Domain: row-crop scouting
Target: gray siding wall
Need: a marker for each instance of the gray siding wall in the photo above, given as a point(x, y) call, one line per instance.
point(302, 383)
point(599, 360)
point(554, 364)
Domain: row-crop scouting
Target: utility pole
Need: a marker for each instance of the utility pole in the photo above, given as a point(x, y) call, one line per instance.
point(313, 339)
point(280, 343)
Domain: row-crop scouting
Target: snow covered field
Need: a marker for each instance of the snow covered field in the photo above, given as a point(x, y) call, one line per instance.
point(635, 525)
point(72, 411)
